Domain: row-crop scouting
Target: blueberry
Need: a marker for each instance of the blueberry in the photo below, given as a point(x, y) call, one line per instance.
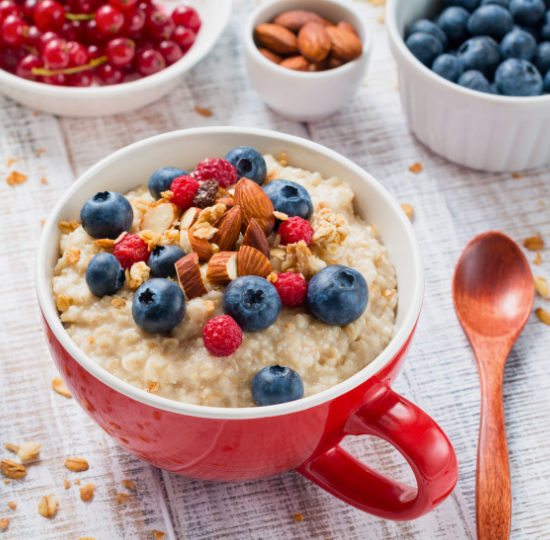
point(425, 47)
point(475, 80)
point(542, 58)
point(249, 163)
point(501, 3)
point(253, 302)
point(547, 81)
point(106, 215)
point(163, 259)
point(337, 295)
point(545, 27)
point(276, 384)
point(529, 29)
point(104, 275)
point(448, 66)
point(428, 27)
point(480, 53)
point(290, 198)
point(494, 21)
point(158, 306)
point(470, 5)
point(518, 44)
point(454, 21)
point(527, 12)
point(161, 180)
point(518, 78)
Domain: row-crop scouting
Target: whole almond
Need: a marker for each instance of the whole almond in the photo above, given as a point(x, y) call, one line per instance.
point(346, 46)
point(222, 268)
point(296, 63)
point(189, 276)
point(251, 262)
point(229, 228)
point(314, 42)
point(294, 20)
point(277, 39)
point(255, 237)
point(271, 56)
point(348, 27)
point(254, 203)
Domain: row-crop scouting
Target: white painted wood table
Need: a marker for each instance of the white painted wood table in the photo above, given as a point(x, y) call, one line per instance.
point(451, 205)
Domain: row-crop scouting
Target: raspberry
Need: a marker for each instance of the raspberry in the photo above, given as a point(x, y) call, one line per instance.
point(295, 229)
point(292, 288)
point(216, 169)
point(131, 249)
point(222, 336)
point(184, 189)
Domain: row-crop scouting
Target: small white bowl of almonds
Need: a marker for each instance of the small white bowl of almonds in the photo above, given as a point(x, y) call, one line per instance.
point(307, 58)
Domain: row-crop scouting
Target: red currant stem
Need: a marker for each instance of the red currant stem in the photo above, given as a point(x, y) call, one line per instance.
point(69, 71)
point(31, 50)
point(79, 16)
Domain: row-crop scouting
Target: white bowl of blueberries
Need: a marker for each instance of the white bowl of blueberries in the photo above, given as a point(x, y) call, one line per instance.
point(475, 78)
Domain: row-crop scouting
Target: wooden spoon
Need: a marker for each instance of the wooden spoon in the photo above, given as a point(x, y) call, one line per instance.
point(493, 294)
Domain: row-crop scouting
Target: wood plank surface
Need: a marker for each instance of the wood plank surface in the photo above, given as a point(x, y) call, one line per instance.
point(451, 204)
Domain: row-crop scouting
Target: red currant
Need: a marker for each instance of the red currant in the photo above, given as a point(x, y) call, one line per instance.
point(149, 62)
point(86, 7)
point(93, 35)
point(78, 54)
point(120, 51)
point(7, 7)
point(14, 30)
point(73, 31)
point(81, 80)
point(110, 75)
point(94, 52)
point(49, 15)
point(184, 38)
point(9, 58)
point(146, 7)
point(109, 20)
point(142, 44)
point(134, 21)
point(46, 37)
point(28, 9)
point(188, 17)
point(158, 25)
point(123, 4)
point(170, 51)
point(55, 80)
point(24, 68)
point(33, 37)
point(56, 54)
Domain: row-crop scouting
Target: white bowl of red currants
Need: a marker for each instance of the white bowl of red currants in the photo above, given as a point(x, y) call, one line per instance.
point(102, 57)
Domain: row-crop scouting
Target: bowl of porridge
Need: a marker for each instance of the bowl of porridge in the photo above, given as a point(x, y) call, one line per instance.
point(229, 303)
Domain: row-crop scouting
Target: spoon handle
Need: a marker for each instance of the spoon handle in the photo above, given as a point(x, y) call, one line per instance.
point(493, 491)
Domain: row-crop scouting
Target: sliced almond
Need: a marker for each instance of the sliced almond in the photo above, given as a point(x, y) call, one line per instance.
point(189, 276)
point(12, 469)
point(28, 450)
point(189, 243)
point(160, 217)
point(255, 237)
point(229, 228)
point(60, 387)
point(189, 217)
point(222, 268)
point(541, 286)
point(252, 262)
point(543, 315)
point(254, 203)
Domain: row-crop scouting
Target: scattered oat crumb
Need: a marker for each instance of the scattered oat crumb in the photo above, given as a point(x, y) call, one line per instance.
point(36, 113)
point(90, 339)
point(12, 469)
point(289, 326)
point(209, 305)
point(129, 484)
point(298, 517)
point(39, 151)
point(72, 254)
point(202, 111)
point(331, 261)
point(543, 315)
point(517, 175)
point(377, 3)
point(280, 216)
point(158, 535)
point(87, 492)
point(534, 243)
point(7, 480)
point(118, 303)
point(28, 450)
point(408, 209)
point(389, 294)
point(42, 222)
point(107, 243)
point(11, 447)
point(63, 302)
point(16, 178)
point(66, 483)
point(11, 161)
point(541, 286)
point(47, 506)
point(537, 260)
point(12, 505)
point(67, 227)
point(4, 523)
point(284, 162)
point(122, 498)
point(76, 463)
point(153, 387)
point(167, 195)
point(43, 180)
point(382, 16)
point(416, 167)
point(272, 277)
point(86, 538)
point(77, 482)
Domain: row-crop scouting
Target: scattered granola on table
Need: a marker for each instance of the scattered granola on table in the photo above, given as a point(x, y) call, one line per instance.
point(87, 492)
point(48, 506)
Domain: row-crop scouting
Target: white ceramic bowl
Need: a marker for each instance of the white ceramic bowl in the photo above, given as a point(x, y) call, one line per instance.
point(295, 94)
point(477, 130)
point(108, 100)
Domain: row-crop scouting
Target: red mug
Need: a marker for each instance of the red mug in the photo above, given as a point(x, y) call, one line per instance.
point(249, 443)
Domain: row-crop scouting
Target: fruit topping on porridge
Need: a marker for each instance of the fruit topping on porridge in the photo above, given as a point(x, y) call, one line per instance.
point(246, 282)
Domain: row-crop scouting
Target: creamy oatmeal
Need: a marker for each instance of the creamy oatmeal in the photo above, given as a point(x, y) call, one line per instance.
point(177, 366)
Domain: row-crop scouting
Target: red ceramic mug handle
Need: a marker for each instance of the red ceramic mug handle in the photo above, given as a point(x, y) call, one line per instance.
point(412, 432)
